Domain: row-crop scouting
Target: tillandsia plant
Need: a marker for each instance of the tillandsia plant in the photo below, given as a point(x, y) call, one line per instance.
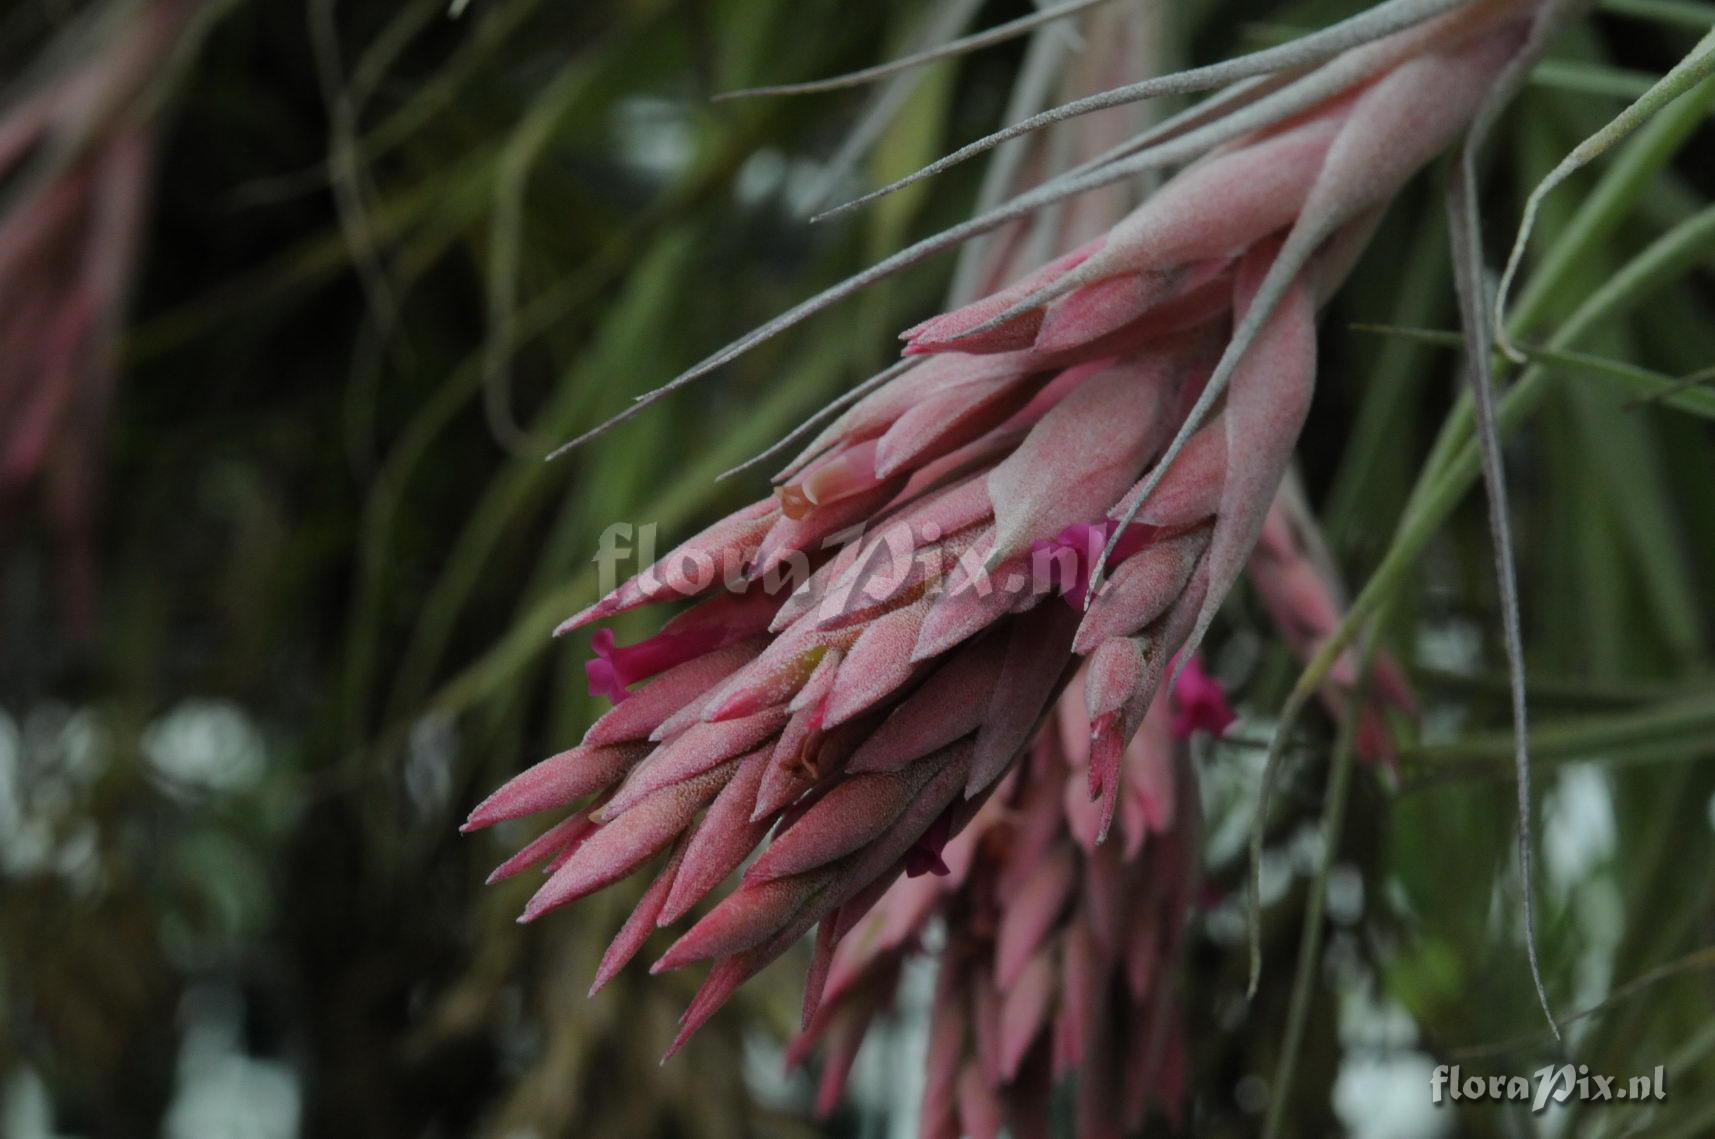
point(1065, 477)
point(75, 154)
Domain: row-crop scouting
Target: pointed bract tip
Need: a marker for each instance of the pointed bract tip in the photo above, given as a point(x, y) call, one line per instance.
point(687, 1029)
point(581, 618)
point(487, 813)
point(735, 707)
point(603, 977)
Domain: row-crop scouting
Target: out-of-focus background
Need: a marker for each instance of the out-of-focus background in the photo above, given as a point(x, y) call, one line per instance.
point(296, 294)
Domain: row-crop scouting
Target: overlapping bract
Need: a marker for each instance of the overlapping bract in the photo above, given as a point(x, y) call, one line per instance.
point(1060, 952)
point(861, 722)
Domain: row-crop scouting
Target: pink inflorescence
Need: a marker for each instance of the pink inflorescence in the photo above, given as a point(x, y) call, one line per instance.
point(835, 739)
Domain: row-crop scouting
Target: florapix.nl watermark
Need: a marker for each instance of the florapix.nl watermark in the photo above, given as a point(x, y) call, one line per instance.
point(868, 567)
point(1556, 1083)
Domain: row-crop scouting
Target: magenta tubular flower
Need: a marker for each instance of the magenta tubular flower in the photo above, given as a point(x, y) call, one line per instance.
point(858, 725)
point(67, 248)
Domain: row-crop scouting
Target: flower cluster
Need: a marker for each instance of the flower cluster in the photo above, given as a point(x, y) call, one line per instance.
point(855, 727)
